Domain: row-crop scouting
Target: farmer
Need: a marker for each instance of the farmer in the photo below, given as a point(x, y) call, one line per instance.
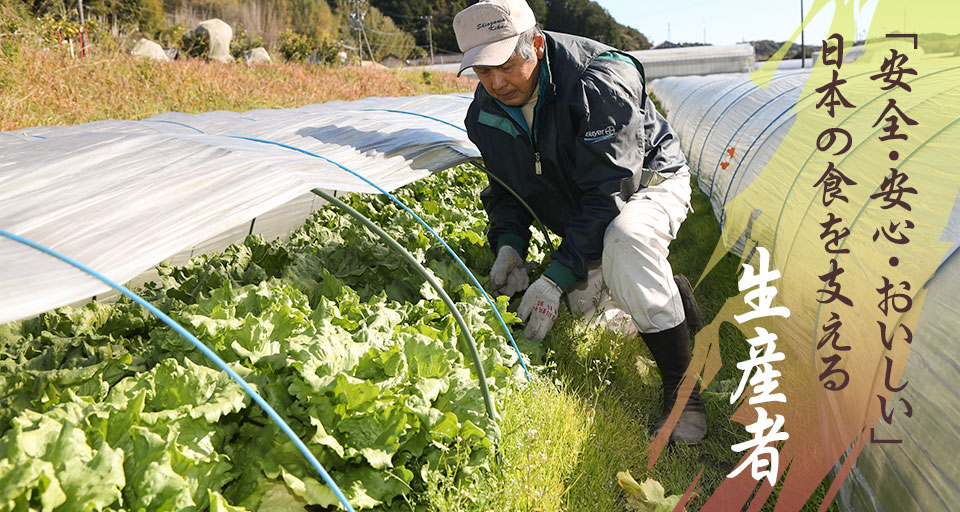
point(565, 122)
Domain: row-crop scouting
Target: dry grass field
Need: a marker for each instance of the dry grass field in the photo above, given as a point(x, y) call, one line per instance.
point(46, 87)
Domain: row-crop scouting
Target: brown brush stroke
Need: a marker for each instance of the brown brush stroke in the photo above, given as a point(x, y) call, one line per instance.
point(688, 495)
point(844, 471)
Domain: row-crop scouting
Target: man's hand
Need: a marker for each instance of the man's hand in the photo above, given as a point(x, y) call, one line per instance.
point(539, 308)
point(508, 275)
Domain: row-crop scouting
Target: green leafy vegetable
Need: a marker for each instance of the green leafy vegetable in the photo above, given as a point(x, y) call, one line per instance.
point(648, 496)
point(104, 408)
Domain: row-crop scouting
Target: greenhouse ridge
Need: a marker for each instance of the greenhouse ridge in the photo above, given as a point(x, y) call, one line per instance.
point(189, 179)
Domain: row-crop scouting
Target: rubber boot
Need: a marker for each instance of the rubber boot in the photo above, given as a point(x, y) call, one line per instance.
point(671, 351)
point(690, 308)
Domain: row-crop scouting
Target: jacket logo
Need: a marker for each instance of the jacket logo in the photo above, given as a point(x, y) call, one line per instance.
point(595, 135)
point(492, 25)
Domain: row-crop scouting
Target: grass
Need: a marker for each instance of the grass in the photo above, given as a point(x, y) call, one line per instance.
point(595, 394)
point(617, 381)
point(545, 428)
point(46, 87)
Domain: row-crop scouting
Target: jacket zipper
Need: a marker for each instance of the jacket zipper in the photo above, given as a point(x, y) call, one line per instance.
point(532, 137)
point(533, 141)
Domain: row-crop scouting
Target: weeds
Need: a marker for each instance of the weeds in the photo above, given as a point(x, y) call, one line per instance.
point(544, 429)
point(47, 87)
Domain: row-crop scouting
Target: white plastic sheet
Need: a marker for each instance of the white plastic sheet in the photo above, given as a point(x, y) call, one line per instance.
point(121, 196)
point(696, 60)
point(717, 114)
point(693, 60)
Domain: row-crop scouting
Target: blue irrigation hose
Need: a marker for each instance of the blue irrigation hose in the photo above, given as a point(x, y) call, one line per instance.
point(413, 114)
point(422, 222)
point(490, 175)
point(471, 344)
point(402, 205)
point(198, 130)
point(203, 348)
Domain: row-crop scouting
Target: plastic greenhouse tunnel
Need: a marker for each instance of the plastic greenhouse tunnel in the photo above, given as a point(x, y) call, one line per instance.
point(238, 177)
point(761, 146)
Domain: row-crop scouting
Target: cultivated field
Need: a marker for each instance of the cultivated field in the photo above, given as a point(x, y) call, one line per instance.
point(562, 438)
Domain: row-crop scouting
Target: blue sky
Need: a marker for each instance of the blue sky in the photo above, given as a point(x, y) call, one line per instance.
point(723, 21)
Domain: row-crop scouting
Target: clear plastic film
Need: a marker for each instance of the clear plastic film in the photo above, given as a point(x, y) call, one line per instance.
point(753, 142)
point(122, 196)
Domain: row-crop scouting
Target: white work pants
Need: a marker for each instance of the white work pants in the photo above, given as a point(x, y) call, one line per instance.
point(634, 275)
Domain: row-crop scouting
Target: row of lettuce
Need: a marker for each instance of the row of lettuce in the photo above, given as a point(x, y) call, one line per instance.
point(102, 407)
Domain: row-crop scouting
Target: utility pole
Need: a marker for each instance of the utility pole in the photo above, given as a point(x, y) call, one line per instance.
point(430, 35)
point(803, 45)
point(356, 23)
point(82, 33)
point(358, 16)
point(367, 40)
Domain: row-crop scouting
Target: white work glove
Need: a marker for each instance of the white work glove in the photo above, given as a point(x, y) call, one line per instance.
point(539, 308)
point(508, 275)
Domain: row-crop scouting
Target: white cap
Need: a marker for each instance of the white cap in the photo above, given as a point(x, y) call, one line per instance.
point(487, 31)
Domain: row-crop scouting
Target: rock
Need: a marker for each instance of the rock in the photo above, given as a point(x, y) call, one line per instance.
point(392, 61)
point(217, 35)
point(372, 64)
point(149, 49)
point(256, 56)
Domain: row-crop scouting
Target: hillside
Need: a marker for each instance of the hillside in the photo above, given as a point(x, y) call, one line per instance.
point(48, 87)
point(405, 29)
point(766, 48)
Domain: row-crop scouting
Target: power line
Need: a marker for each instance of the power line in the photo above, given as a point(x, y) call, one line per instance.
point(394, 47)
point(393, 14)
point(448, 52)
point(391, 33)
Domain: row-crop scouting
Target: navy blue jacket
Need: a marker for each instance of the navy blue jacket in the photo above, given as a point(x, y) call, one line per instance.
point(594, 130)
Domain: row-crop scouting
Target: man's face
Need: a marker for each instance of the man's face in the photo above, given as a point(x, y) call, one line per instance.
point(512, 82)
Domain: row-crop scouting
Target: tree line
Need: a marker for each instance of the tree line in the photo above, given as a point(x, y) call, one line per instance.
point(581, 17)
point(403, 28)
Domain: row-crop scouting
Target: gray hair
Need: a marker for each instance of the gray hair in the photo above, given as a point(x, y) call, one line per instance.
point(524, 48)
